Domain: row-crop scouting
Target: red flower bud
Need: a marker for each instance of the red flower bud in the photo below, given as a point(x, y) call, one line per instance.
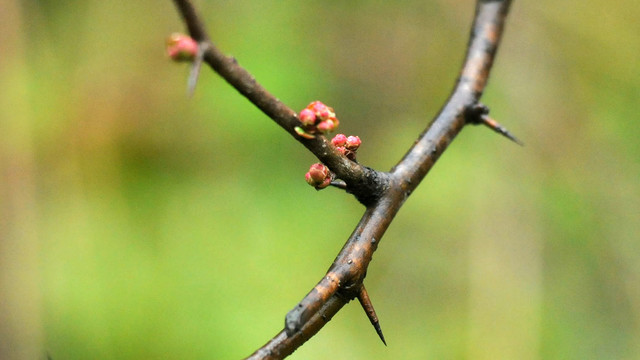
point(325, 183)
point(326, 126)
point(319, 171)
point(181, 47)
point(307, 117)
point(321, 110)
point(318, 176)
point(339, 140)
point(353, 143)
point(317, 112)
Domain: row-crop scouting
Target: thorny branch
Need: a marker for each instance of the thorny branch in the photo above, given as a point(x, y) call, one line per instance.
point(383, 193)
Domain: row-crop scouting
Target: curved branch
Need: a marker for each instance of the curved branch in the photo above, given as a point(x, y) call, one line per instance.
point(365, 183)
point(486, 32)
point(282, 345)
point(382, 193)
point(349, 269)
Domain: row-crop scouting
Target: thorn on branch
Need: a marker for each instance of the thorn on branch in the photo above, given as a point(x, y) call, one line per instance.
point(495, 126)
point(183, 48)
point(196, 65)
point(479, 114)
point(365, 301)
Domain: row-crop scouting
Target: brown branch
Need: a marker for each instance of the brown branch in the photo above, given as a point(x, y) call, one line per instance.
point(366, 184)
point(382, 193)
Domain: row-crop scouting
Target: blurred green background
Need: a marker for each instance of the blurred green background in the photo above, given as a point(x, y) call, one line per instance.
point(136, 223)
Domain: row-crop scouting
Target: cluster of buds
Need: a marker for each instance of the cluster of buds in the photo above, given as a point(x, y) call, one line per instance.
point(318, 176)
point(347, 145)
point(316, 117)
point(181, 48)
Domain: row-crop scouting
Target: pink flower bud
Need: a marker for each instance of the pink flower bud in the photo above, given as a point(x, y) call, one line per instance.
point(309, 179)
point(325, 183)
point(353, 143)
point(339, 140)
point(319, 171)
point(318, 176)
point(321, 110)
point(181, 47)
point(326, 126)
point(307, 117)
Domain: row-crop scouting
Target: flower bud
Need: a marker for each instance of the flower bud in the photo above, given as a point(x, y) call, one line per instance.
point(318, 176)
point(339, 140)
point(353, 143)
point(327, 126)
point(307, 117)
point(321, 110)
point(324, 184)
point(181, 47)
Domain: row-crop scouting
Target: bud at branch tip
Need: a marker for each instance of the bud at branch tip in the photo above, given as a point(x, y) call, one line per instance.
point(181, 47)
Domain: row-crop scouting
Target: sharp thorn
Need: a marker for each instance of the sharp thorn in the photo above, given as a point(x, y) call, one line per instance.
point(196, 65)
point(365, 301)
point(495, 126)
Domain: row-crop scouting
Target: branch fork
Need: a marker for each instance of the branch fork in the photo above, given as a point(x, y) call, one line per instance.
point(382, 193)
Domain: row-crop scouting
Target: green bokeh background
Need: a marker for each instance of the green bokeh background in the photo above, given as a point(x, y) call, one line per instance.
point(136, 223)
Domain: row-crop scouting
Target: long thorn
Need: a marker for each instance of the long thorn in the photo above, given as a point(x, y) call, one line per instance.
point(196, 65)
point(365, 301)
point(495, 126)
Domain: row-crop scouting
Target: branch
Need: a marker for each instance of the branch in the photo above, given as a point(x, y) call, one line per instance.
point(382, 193)
point(486, 33)
point(361, 181)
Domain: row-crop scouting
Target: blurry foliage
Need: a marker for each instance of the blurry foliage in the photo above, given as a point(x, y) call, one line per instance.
point(136, 223)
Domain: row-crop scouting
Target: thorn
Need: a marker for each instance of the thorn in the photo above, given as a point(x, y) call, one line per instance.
point(495, 126)
point(196, 65)
point(365, 301)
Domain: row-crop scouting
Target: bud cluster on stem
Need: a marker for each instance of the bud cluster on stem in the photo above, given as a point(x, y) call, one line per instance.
point(319, 175)
point(347, 145)
point(316, 117)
